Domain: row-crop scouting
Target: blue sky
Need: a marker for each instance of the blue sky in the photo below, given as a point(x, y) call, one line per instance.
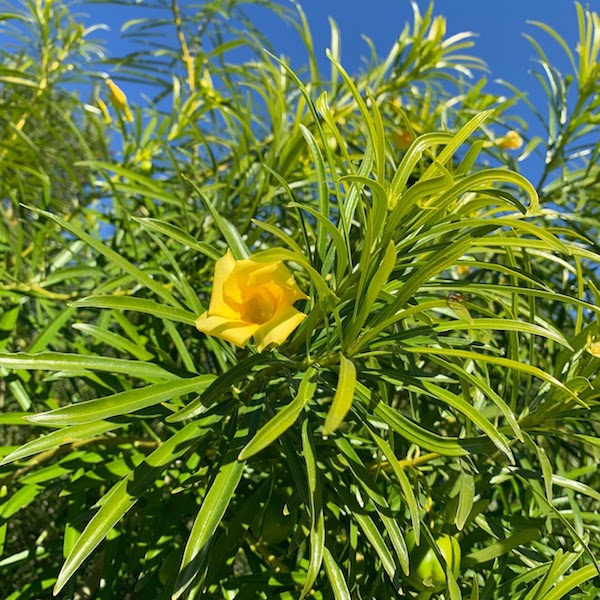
point(498, 25)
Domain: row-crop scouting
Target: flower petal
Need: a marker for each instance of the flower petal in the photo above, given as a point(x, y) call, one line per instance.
point(219, 305)
point(248, 275)
point(231, 330)
point(279, 328)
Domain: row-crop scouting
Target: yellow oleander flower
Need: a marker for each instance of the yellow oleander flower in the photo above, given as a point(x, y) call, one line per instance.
point(511, 141)
point(251, 298)
point(402, 139)
point(593, 348)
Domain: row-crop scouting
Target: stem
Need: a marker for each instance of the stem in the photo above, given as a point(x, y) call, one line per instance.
point(406, 463)
point(188, 59)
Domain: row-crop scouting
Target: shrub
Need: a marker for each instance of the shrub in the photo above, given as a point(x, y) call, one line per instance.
point(441, 383)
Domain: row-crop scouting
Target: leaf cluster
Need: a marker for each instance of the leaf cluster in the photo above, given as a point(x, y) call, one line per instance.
point(444, 380)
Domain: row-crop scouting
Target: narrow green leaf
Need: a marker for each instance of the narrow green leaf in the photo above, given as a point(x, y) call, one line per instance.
point(142, 305)
point(317, 527)
point(501, 547)
point(473, 415)
point(375, 538)
point(329, 227)
point(373, 289)
point(14, 418)
point(59, 361)
point(277, 232)
point(180, 236)
point(344, 395)
point(115, 340)
point(447, 446)
point(577, 486)
point(407, 489)
point(122, 403)
point(441, 260)
point(19, 500)
point(465, 500)
point(336, 577)
point(284, 419)
point(570, 582)
point(505, 325)
point(215, 501)
point(116, 258)
point(123, 496)
point(58, 438)
point(498, 360)
point(220, 385)
point(323, 187)
point(365, 480)
point(486, 390)
point(228, 231)
point(51, 330)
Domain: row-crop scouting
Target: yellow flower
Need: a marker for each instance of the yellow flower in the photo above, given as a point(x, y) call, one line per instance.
point(593, 347)
point(402, 139)
point(511, 141)
point(251, 298)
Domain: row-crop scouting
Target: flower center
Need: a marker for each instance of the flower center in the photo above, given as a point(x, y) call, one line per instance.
point(260, 307)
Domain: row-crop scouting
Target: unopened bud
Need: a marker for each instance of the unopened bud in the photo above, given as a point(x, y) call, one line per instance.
point(104, 110)
point(119, 99)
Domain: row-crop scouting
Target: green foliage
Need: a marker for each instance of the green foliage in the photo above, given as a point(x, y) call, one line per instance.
point(444, 382)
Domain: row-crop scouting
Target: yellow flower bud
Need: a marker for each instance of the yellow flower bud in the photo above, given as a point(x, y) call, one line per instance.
point(511, 141)
point(104, 110)
point(251, 298)
point(119, 99)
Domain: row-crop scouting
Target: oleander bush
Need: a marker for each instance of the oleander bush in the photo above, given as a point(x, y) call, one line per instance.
point(280, 333)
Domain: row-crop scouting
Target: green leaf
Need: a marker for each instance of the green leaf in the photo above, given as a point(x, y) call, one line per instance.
point(58, 438)
point(221, 384)
point(505, 325)
point(317, 527)
point(123, 496)
point(466, 495)
point(497, 360)
point(115, 340)
point(19, 500)
point(373, 289)
point(446, 446)
point(122, 403)
point(180, 236)
point(232, 236)
point(321, 178)
point(344, 395)
point(284, 419)
point(216, 500)
point(501, 547)
point(142, 305)
point(570, 582)
point(473, 415)
point(486, 390)
point(442, 260)
point(382, 507)
point(113, 256)
point(336, 577)
point(336, 236)
point(59, 361)
point(405, 485)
